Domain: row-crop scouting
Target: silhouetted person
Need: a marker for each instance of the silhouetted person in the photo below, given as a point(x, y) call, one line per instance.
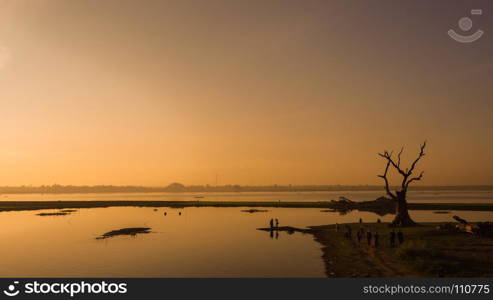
point(379, 221)
point(179, 213)
point(400, 237)
point(376, 239)
point(358, 236)
point(349, 232)
point(392, 238)
point(165, 213)
point(368, 237)
point(271, 223)
point(277, 223)
point(360, 220)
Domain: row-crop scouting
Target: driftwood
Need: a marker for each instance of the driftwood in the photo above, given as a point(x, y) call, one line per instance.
point(460, 220)
point(481, 228)
point(464, 226)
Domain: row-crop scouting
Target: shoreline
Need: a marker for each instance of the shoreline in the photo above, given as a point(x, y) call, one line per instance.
point(37, 205)
point(426, 252)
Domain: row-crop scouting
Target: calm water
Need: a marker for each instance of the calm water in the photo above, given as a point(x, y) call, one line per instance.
point(202, 242)
point(414, 196)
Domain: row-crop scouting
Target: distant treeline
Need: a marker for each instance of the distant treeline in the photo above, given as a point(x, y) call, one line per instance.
point(180, 188)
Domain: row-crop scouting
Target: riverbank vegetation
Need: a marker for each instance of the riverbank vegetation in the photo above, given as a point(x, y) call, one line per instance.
point(427, 251)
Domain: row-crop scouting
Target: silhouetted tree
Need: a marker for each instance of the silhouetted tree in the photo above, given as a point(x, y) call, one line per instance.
point(402, 217)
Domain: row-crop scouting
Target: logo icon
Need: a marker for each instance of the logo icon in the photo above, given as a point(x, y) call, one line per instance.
point(11, 292)
point(465, 24)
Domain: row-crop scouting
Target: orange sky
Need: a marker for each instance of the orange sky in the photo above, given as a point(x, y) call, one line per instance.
point(259, 92)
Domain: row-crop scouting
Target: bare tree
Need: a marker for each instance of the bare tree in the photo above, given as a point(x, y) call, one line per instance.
point(402, 217)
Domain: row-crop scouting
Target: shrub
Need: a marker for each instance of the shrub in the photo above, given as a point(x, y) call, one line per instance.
point(416, 249)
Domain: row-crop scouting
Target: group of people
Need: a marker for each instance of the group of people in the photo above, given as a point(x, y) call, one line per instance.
point(274, 222)
point(393, 235)
point(373, 239)
point(165, 213)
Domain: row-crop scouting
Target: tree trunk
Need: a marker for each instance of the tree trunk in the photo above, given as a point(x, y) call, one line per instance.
point(402, 217)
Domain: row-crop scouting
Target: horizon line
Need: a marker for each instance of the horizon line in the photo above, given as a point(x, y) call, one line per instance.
point(232, 185)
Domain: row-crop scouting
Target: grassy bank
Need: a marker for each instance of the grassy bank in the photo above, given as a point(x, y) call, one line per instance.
point(34, 205)
point(426, 252)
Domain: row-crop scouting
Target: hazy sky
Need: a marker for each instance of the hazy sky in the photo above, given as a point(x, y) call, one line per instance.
point(259, 92)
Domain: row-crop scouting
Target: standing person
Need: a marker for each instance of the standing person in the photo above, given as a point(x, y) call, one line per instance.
point(277, 223)
point(348, 231)
point(400, 237)
point(358, 236)
point(368, 237)
point(392, 238)
point(377, 237)
point(271, 223)
point(360, 220)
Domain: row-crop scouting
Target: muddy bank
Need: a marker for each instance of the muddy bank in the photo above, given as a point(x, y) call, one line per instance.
point(133, 231)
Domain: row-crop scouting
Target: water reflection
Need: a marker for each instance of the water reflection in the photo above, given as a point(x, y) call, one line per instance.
point(275, 233)
point(201, 242)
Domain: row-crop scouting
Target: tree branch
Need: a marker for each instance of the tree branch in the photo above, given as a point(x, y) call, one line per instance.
point(384, 177)
point(415, 179)
point(406, 175)
point(421, 154)
point(399, 157)
point(388, 156)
